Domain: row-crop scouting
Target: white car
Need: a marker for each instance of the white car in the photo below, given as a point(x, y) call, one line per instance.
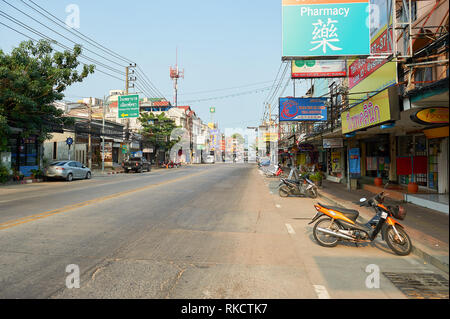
point(209, 159)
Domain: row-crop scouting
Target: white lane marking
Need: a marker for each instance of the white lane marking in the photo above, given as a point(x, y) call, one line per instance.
point(278, 206)
point(290, 229)
point(412, 261)
point(321, 292)
point(427, 271)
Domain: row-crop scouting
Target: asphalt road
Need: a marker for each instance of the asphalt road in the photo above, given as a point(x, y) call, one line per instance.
point(206, 231)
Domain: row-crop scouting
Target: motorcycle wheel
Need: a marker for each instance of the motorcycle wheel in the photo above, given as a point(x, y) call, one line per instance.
point(312, 193)
point(401, 248)
point(323, 239)
point(284, 191)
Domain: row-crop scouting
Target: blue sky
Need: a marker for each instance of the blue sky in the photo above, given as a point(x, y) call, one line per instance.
point(221, 44)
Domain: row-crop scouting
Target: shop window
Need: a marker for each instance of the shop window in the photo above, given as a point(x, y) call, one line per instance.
point(412, 159)
point(433, 155)
point(377, 159)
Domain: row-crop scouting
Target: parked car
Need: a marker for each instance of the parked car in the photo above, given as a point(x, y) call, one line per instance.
point(68, 170)
point(137, 165)
point(209, 159)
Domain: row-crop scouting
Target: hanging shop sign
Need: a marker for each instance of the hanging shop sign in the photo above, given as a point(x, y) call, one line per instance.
point(374, 75)
point(304, 147)
point(302, 109)
point(380, 108)
point(431, 115)
point(322, 28)
point(270, 137)
point(318, 69)
point(333, 143)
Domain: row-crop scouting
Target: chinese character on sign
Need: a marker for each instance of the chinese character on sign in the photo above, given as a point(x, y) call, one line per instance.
point(324, 33)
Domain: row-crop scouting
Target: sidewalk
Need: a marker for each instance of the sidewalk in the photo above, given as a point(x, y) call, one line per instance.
point(428, 229)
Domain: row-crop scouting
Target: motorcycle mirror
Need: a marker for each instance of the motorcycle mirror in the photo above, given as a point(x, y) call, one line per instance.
point(362, 200)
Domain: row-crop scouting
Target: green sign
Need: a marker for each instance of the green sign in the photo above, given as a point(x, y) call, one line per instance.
point(128, 106)
point(212, 110)
point(124, 149)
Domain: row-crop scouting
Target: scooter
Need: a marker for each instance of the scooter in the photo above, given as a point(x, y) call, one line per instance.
point(340, 224)
point(275, 172)
point(302, 187)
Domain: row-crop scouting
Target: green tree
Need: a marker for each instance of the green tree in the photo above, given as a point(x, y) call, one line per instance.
point(32, 77)
point(156, 130)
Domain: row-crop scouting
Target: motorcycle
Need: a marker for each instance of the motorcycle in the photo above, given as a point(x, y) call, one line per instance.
point(341, 224)
point(303, 187)
point(275, 172)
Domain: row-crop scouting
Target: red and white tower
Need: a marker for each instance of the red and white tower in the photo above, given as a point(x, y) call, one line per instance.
point(175, 74)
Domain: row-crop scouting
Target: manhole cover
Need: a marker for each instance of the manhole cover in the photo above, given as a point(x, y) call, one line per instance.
point(419, 285)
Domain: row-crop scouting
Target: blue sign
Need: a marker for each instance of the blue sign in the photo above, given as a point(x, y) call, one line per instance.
point(69, 141)
point(318, 28)
point(303, 109)
point(354, 162)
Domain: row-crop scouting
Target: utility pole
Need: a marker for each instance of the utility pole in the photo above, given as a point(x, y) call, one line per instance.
point(127, 86)
point(89, 137)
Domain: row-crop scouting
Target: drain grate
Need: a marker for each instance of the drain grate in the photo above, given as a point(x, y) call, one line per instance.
point(420, 285)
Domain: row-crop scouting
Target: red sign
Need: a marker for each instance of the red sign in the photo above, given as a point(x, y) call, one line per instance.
point(362, 68)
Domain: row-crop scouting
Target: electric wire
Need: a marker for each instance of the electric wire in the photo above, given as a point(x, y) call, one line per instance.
point(61, 35)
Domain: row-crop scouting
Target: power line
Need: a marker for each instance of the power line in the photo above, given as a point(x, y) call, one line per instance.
point(62, 35)
point(14, 20)
point(31, 38)
point(146, 81)
point(81, 35)
point(229, 95)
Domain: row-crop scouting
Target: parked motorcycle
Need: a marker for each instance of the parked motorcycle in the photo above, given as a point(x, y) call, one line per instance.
point(302, 187)
point(340, 224)
point(274, 172)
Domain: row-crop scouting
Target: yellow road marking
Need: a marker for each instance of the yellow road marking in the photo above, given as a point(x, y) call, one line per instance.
point(28, 219)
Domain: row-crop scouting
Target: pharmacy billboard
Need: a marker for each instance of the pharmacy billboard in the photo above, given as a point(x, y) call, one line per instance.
point(322, 29)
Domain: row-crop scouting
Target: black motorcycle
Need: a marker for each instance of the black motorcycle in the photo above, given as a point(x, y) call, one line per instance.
point(301, 187)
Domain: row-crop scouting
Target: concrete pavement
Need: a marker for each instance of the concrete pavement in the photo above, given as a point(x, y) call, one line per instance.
point(211, 231)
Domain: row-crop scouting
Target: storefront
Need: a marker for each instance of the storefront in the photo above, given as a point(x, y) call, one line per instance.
point(334, 157)
point(422, 157)
point(376, 156)
point(24, 154)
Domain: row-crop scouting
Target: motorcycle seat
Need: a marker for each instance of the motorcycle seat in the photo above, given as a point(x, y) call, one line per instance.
point(351, 214)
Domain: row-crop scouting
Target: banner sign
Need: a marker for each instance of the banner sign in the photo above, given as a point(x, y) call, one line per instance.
point(362, 68)
point(333, 143)
point(318, 69)
point(374, 75)
point(302, 109)
point(354, 162)
point(374, 111)
point(324, 28)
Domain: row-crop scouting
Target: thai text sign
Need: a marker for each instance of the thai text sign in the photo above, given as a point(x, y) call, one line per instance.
point(303, 109)
point(128, 106)
point(362, 68)
point(333, 143)
point(318, 28)
point(431, 115)
point(373, 111)
point(318, 69)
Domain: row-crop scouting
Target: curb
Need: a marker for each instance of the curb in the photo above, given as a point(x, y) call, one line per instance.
point(419, 252)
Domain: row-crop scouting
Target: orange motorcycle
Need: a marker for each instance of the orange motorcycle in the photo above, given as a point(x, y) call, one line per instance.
point(340, 224)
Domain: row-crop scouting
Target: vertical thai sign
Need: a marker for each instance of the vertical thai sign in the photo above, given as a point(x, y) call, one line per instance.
point(325, 28)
